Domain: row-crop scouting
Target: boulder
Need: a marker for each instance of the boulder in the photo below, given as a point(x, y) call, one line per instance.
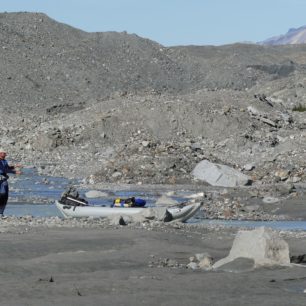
point(262, 245)
point(206, 263)
point(165, 201)
point(162, 214)
point(118, 220)
point(155, 213)
point(95, 194)
point(219, 175)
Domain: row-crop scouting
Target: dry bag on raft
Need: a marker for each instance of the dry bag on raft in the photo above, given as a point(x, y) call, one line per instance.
point(129, 202)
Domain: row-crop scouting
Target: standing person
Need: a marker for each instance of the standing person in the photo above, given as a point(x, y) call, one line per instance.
point(5, 168)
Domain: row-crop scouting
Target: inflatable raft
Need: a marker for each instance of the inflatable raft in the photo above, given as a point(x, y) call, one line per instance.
point(181, 214)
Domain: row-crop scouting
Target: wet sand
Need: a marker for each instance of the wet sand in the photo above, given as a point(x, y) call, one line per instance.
point(130, 266)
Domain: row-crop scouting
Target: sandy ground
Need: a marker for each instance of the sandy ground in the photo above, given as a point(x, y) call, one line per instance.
point(124, 266)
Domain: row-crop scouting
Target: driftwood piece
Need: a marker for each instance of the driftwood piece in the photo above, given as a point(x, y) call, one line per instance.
point(260, 116)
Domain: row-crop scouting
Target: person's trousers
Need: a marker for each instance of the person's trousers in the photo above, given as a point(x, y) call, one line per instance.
point(3, 200)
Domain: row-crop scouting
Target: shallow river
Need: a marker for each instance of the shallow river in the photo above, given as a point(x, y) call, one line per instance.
point(32, 194)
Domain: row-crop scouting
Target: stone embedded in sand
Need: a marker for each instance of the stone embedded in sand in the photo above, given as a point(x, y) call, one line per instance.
point(270, 200)
point(119, 220)
point(193, 265)
point(262, 245)
point(282, 174)
point(238, 265)
point(157, 213)
point(249, 167)
point(206, 263)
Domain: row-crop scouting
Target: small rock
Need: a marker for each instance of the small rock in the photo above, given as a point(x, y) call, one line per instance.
point(251, 208)
point(116, 174)
point(193, 266)
point(145, 143)
point(282, 174)
point(270, 200)
point(249, 167)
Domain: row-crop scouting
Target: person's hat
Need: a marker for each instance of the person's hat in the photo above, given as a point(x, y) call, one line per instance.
point(2, 150)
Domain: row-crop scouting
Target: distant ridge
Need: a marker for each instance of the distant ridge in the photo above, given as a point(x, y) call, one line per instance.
point(293, 36)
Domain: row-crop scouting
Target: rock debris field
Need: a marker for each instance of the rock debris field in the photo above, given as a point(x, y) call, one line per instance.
point(115, 108)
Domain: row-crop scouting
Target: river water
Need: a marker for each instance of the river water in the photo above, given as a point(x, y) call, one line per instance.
point(32, 194)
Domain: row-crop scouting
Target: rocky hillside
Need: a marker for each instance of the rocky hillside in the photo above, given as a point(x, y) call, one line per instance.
point(293, 36)
point(114, 107)
point(46, 64)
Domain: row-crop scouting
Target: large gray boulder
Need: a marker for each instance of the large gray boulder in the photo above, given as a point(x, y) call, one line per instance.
point(219, 175)
point(262, 245)
point(95, 194)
